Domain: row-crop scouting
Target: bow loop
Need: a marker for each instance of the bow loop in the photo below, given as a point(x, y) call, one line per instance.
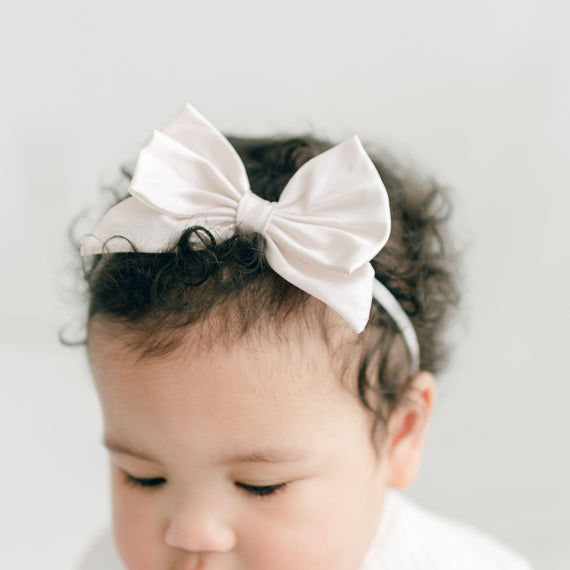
point(344, 220)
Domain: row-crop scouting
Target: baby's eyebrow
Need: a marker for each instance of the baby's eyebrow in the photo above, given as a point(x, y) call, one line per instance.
point(264, 456)
point(267, 456)
point(112, 445)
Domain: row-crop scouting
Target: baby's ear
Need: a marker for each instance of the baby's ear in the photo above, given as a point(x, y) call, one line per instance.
point(407, 430)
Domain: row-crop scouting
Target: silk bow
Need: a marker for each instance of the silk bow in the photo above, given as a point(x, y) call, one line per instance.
point(332, 218)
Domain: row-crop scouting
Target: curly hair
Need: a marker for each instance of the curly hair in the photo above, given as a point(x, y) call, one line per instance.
point(156, 296)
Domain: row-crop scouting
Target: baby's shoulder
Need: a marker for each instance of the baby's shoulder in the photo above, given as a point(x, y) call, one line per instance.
point(412, 537)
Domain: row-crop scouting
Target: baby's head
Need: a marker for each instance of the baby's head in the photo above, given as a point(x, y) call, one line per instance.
point(249, 426)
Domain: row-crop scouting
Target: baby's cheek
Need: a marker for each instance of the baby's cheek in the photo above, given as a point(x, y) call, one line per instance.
point(310, 544)
point(137, 531)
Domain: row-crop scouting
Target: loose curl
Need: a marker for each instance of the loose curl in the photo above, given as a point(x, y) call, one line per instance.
point(155, 296)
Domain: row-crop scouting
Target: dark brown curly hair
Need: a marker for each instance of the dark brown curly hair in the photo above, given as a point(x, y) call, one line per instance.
point(155, 296)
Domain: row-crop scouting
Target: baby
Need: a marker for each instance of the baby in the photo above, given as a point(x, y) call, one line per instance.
point(265, 319)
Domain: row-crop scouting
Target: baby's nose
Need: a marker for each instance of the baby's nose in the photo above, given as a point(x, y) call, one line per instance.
point(199, 527)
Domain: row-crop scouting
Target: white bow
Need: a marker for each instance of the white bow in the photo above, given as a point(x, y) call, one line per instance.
point(332, 218)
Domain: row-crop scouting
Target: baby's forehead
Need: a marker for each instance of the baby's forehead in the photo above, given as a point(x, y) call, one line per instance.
point(256, 383)
point(260, 382)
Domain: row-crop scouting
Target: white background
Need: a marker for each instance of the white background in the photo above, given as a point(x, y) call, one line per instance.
point(475, 93)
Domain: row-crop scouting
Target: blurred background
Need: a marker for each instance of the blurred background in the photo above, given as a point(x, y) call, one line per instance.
point(474, 93)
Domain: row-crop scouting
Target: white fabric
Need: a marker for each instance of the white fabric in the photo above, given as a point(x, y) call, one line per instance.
point(411, 538)
point(408, 538)
point(332, 217)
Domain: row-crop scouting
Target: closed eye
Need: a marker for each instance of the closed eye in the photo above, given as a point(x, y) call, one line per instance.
point(146, 483)
point(261, 490)
point(154, 482)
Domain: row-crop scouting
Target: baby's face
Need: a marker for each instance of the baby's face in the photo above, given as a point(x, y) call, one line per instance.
point(249, 458)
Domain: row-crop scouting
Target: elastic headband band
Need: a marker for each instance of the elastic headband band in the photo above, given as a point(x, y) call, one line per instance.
point(394, 309)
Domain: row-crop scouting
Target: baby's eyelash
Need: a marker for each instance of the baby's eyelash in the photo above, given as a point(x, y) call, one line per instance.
point(261, 490)
point(151, 483)
point(144, 483)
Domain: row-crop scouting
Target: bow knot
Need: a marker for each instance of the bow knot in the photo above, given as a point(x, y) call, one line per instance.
point(254, 213)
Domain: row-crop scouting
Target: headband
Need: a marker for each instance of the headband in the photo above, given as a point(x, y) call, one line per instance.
point(331, 219)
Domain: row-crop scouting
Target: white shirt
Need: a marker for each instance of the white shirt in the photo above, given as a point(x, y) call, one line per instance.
point(412, 538)
point(408, 538)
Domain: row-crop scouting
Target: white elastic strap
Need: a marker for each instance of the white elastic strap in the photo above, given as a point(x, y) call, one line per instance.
point(394, 309)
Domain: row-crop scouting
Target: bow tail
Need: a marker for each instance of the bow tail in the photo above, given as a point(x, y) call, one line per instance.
point(348, 294)
point(132, 224)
